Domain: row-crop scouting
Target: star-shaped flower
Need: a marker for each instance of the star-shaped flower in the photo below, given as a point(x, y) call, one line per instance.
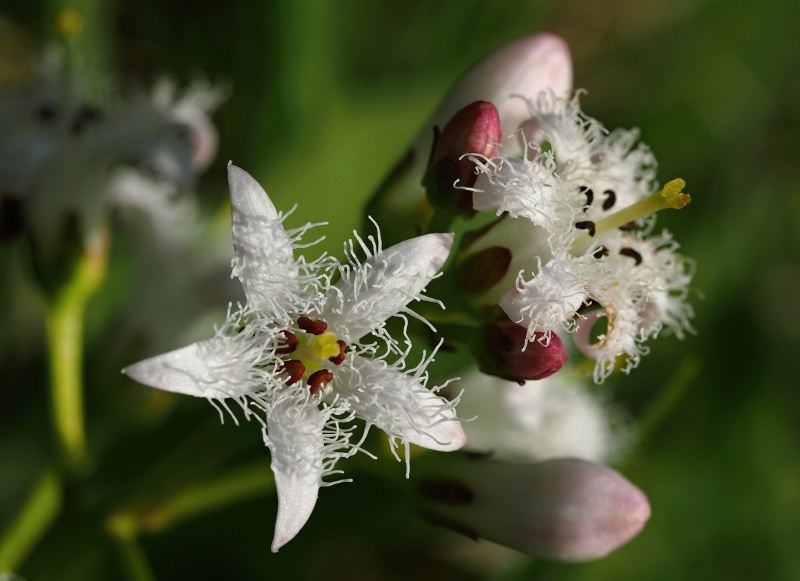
point(295, 351)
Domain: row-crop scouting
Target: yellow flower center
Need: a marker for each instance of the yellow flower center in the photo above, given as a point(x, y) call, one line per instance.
point(313, 349)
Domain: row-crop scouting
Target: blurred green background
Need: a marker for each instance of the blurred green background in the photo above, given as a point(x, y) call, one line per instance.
point(324, 98)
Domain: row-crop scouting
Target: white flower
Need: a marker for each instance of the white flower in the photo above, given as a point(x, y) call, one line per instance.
point(63, 152)
point(295, 351)
point(554, 417)
point(589, 195)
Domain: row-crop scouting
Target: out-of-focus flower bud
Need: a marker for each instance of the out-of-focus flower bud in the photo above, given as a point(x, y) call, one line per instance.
point(555, 417)
point(560, 510)
point(525, 67)
point(501, 350)
point(473, 129)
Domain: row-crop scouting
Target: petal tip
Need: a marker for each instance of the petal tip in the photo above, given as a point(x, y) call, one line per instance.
point(296, 499)
point(248, 198)
point(452, 437)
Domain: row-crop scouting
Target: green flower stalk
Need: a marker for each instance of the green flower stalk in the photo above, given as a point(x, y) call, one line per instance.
point(64, 319)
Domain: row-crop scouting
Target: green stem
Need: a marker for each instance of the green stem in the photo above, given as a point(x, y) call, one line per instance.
point(133, 557)
point(30, 524)
point(440, 222)
point(64, 321)
point(250, 482)
point(126, 524)
point(669, 397)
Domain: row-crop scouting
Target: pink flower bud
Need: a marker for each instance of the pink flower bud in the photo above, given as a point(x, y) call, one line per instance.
point(473, 129)
point(501, 350)
point(526, 67)
point(561, 510)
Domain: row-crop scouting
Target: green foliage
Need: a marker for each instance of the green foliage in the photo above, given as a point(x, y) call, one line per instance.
point(325, 96)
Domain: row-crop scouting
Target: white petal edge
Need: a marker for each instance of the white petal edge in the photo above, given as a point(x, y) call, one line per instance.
point(248, 198)
point(400, 405)
point(384, 284)
point(264, 262)
point(203, 369)
point(295, 440)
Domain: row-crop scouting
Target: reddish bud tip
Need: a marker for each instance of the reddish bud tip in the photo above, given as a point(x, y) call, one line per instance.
point(312, 326)
point(294, 369)
point(475, 129)
point(318, 380)
point(501, 351)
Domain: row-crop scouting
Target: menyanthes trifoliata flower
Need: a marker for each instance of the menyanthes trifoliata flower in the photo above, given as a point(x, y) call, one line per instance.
point(588, 196)
point(296, 352)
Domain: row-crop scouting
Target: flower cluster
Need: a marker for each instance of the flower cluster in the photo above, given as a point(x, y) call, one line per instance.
point(588, 196)
point(306, 356)
point(310, 352)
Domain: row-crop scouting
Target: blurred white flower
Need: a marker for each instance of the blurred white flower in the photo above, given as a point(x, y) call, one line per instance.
point(554, 417)
point(63, 153)
point(295, 352)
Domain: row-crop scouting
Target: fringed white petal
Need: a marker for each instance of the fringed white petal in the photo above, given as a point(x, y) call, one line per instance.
point(210, 369)
point(522, 188)
point(550, 299)
point(399, 404)
point(295, 439)
point(369, 293)
point(264, 261)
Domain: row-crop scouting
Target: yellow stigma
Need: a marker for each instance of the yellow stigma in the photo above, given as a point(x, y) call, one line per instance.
point(670, 196)
point(316, 348)
point(69, 23)
point(673, 195)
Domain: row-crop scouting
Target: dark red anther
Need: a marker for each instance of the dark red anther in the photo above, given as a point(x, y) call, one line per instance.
point(339, 359)
point(288, 345)
point(312, 326)
point(295, 370)
point(318, 380)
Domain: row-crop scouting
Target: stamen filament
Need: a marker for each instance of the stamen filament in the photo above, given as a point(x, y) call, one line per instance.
point(670, 196)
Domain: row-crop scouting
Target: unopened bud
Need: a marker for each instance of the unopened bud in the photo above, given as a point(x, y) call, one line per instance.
point(473, 129)
point(501, 350)
point(560, 510)
point(535, 63)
